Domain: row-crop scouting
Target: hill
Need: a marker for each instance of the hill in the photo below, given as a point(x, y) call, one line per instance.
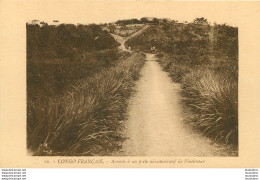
point(204, 59)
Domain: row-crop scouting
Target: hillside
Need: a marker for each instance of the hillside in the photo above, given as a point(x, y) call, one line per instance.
point(193, 39)
point(204, 59)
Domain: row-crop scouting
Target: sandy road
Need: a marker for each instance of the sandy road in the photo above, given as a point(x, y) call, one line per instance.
point(121, 40)
point(155, 126)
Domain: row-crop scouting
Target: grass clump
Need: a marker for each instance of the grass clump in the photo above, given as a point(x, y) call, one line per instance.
point(213, 99)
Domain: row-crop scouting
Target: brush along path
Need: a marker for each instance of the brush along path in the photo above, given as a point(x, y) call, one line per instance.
point(154, 126)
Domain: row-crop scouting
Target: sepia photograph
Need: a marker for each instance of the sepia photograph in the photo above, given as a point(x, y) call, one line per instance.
point(129, 84)
point(133, 87)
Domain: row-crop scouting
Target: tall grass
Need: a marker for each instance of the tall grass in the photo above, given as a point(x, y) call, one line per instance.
point(86, 119)
point(213, 99)
point(176, 66)
point(209, 95)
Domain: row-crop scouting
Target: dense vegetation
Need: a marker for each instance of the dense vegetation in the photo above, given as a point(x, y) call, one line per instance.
point(144, 20)
point(66, 41)
point(85, 121)
point(78, 84)
point(204, 59)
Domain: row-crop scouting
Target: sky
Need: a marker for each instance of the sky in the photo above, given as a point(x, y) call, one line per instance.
point(86, 12)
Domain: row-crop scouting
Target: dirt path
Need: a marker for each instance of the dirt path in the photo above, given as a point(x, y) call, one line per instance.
point(122, 40)
point(154, 126)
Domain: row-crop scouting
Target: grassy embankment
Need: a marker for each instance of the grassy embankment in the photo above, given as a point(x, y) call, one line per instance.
point(78, 84)
point(204, 59)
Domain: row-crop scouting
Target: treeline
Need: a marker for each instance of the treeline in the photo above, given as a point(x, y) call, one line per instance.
point(144, 20)
point(129, 21)
point(65, 41)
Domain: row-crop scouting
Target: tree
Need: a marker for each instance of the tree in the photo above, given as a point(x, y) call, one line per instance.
point(135, 21)
point(201, 20)
point(155, 21)
point(144, 20)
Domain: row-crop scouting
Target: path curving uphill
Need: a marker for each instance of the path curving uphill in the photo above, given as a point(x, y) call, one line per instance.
point(122, 40)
